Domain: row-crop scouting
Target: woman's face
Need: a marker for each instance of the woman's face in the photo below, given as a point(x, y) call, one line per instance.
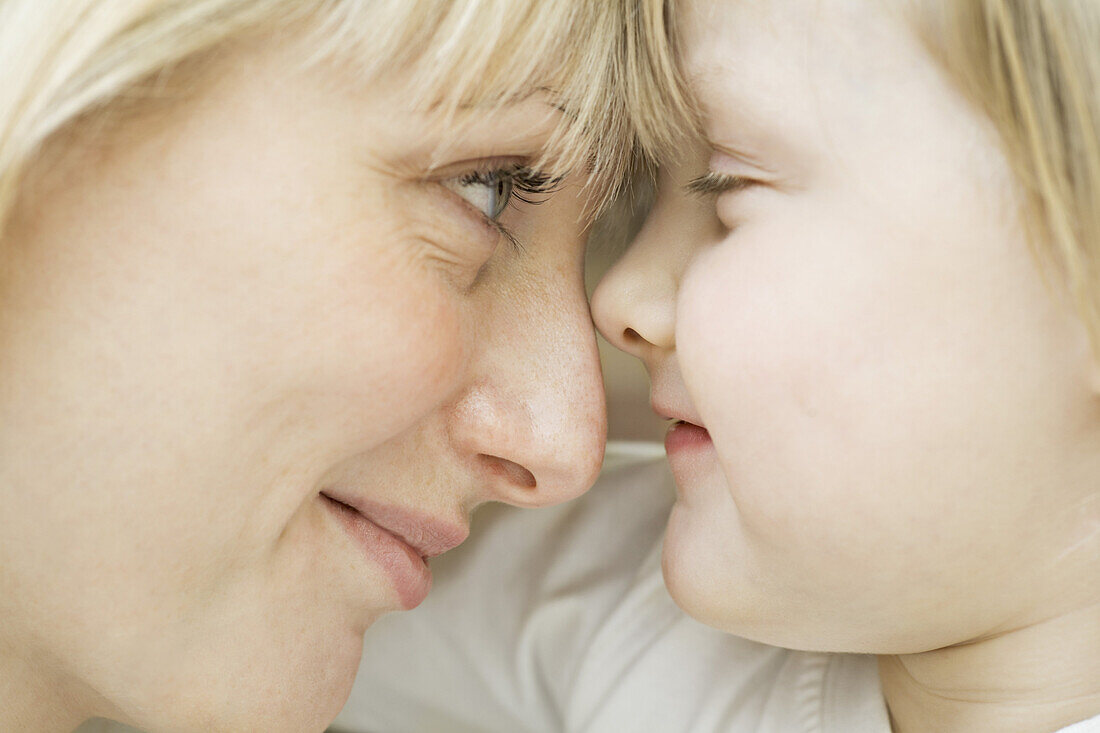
point(280, 290)
point(901, 441)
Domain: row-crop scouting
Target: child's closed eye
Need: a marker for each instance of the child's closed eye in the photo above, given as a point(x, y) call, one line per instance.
point(713, 183)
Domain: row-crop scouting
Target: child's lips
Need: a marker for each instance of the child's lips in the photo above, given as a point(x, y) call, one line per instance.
point(671, 411)
point(686, 436)
point(688, 443)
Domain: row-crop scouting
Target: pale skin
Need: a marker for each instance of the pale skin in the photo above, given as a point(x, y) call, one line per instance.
point(903, 415)
point(218, 309)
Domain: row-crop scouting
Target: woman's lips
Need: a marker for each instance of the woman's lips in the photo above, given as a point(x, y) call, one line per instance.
point(399, 541)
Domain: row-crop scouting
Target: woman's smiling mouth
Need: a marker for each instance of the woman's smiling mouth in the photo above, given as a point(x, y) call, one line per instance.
point(397, 540)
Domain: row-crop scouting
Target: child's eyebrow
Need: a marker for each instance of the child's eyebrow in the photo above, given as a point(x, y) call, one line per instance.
point(727, 110)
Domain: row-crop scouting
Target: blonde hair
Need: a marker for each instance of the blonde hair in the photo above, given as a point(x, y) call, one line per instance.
point(66, 60)
point(1033, 66)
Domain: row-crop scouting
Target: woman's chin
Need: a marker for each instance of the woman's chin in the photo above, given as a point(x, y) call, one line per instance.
point(323, 680)
point(313, 693)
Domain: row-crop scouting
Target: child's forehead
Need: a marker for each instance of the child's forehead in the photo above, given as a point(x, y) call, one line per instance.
point(759, 62)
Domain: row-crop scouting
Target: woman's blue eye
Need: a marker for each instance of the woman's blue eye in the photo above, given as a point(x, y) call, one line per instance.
point(490, 192)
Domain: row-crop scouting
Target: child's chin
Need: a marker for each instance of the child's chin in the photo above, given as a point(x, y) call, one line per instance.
point(697, 586)
point(725, 598)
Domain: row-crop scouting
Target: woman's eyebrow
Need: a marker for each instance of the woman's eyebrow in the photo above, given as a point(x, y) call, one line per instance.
point(510, 100)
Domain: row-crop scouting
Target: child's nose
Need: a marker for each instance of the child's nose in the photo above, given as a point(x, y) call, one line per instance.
point(634, 305)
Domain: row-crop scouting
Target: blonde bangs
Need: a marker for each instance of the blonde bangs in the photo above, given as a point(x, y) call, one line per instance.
point(490, 52)
point(658, 99)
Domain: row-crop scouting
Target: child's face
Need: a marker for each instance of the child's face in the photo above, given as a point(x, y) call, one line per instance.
point(902, 437)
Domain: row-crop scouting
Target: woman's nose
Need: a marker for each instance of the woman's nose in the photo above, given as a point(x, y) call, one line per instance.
point(533, 421)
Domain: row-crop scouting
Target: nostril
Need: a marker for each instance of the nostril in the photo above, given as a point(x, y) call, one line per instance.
point(630, 336)
point(514, 472)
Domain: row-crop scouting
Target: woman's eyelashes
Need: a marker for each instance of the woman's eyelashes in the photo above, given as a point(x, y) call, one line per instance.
point(713, 183)
point(490, 190)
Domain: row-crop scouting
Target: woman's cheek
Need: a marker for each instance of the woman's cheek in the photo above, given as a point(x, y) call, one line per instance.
point(406, 356)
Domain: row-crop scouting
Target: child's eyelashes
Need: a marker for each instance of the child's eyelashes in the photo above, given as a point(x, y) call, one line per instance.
point(713, 183)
